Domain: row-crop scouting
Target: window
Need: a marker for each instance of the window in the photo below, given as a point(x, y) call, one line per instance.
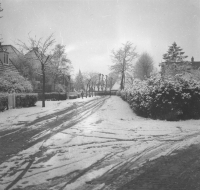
point(5, 58)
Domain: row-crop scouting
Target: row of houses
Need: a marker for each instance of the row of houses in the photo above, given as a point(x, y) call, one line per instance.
point(11, 60)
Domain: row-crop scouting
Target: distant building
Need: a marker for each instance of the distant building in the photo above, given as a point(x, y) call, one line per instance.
point(116, 86)
point(171, 68)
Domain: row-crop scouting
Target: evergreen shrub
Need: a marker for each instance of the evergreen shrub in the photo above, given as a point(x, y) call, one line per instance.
point(26, 100)
point(22, 100)
point(171, 99)
point(53, 96)
point(14, 82)
point(3, 101)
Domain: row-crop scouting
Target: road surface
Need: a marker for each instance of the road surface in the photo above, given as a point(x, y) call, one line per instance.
point(99, 144)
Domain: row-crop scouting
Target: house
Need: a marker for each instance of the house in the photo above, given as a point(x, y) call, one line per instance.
point(195, 64)
point(54, 81)
point(8, 56)
point(173, 68)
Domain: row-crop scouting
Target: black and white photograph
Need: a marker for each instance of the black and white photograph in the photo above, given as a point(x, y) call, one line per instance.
point(99, 94)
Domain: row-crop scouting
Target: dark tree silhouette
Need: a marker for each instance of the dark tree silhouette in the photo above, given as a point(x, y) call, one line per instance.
point(174, 54)
point(143, 67)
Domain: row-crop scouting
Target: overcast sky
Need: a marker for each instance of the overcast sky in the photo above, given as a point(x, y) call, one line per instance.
point(91, 29)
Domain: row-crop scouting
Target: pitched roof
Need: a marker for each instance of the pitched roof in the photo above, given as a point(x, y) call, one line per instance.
point(13, 52)
point(8, 67)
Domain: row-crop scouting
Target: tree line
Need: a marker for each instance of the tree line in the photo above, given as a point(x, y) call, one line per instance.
point(129, 65)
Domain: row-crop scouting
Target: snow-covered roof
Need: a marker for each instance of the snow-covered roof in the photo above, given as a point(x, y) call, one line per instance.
point(116, 86)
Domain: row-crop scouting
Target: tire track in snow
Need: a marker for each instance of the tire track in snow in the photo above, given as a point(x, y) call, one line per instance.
point(79, 115)
point(137, 160)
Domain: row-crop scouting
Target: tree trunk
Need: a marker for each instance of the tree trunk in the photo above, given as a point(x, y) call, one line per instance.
point(121, 85)
point(43, 86)
point(124, 81)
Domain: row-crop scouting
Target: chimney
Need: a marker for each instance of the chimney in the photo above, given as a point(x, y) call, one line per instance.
point(192, 59)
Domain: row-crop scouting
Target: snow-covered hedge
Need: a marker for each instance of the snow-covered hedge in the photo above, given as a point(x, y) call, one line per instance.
point(26, 100)
point(3, 101)
point(53, 96)
point(164, 99)
point(22, 100)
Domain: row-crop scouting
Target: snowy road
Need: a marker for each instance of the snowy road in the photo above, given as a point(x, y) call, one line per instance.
point(88, 147)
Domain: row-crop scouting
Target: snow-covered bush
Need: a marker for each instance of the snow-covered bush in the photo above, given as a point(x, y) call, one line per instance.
point(13, 82)
point(118, 93)
point(22, 100)
point(53, 96)
point(172, 99)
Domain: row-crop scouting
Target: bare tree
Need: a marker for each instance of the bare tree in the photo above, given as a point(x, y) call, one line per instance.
point(143, 67)
point(122, 59)
point(90, 80)
point(41, 50)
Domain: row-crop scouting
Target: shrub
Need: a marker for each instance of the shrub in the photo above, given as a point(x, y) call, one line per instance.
point(26, 100)
point(22, 100)
point(12, 81)
point(53, 96)
point(165, 99)
point(118, 93)
point(104, 93)
point(3, 101)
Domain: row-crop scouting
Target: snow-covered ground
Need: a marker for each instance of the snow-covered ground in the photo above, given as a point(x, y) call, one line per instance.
point(13, 118)
point(111, 139)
